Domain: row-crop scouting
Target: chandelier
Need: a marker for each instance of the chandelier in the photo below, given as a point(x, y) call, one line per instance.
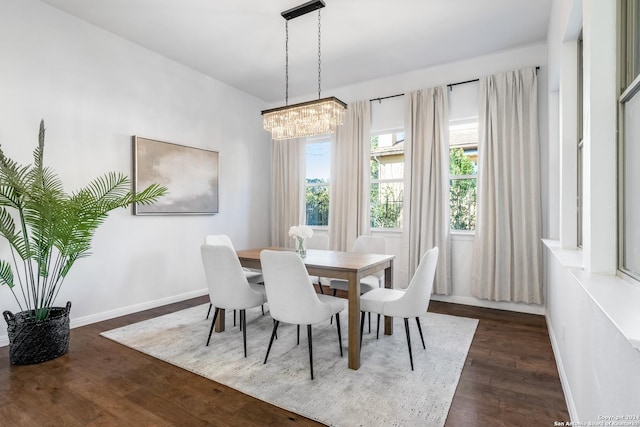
point(309, 118)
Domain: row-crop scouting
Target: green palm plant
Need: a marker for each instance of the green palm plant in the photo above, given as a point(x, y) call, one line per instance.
point(48, 230)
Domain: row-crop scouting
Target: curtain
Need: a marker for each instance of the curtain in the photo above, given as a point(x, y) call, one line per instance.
point(507, 253)
point(350, 172)
point(426, 201)
point(286, 194)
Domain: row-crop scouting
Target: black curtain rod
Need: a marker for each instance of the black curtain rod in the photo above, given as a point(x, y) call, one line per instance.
point(450, 85)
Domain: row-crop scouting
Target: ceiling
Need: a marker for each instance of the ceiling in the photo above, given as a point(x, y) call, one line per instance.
point(242, 42)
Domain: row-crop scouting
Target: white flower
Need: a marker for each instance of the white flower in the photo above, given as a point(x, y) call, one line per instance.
point(301, 231)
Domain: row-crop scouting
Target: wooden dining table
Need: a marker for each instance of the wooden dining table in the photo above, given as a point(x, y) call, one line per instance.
point(348, 266)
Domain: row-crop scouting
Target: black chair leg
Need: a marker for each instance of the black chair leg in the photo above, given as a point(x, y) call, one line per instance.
point(361, 327)
point(339, 333)
point(406, 327)
point(369, 322)
point(310, 349)
point(234, 318)
point(378, 327)
point(243, 316)
point(262, 306)
point(334, 292)
point(273, 335)
point(420, 329)
point(298, 334)
point(320, 286)
point(215, 316)
point(274, 322)
point(209, 311)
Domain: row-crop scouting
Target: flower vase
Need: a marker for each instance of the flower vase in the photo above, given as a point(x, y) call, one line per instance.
point(301, 247)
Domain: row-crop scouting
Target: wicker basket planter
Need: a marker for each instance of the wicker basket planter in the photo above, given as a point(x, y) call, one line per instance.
point(35, 341)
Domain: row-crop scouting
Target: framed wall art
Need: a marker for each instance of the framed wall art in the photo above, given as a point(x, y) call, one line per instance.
point(190, 174)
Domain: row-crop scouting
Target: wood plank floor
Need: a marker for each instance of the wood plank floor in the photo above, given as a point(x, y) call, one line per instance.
point(510, 378)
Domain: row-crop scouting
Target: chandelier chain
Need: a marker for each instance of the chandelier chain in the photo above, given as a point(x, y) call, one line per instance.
point(319, 61)
point(286, 66)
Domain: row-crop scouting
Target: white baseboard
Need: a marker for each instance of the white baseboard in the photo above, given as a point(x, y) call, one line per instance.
point(123, 311)
point(509, 306)
point(568, 397)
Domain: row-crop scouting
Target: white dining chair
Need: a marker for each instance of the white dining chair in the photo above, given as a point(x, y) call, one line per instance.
point(292, 298)
point(253, 277)
point(365, 245)
point(228, 286)
point(318, 241)
point(412, 302)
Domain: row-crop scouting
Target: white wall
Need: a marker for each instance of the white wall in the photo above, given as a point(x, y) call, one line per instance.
point(592, 315)
point(94, 91)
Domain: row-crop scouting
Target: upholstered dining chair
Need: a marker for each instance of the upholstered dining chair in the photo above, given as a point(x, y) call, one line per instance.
point(228, 286)
point(318, 241)
point(366, 245)
point(292, 298)
point(412, 302)
point(253, 277)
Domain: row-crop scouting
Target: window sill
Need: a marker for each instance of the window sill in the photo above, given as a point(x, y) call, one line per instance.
point(616, 297)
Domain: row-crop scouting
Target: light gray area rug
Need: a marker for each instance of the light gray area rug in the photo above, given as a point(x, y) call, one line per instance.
point(383, 392)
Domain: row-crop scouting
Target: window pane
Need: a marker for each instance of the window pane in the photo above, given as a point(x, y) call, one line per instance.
point(317, 205)
point(631, 256)
point(386, 205)
point(318, 162)
point(463, 203)
point(387, 174)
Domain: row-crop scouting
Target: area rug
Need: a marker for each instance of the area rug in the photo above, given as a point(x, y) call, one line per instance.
point(383, 392)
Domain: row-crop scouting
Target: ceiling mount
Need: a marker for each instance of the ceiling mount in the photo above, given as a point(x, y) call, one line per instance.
point(303, 9)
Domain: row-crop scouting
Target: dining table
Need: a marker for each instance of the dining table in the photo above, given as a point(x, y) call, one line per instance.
point(349, 266)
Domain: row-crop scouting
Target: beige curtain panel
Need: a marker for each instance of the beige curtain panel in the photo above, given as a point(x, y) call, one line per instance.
point(286, 194)
point(426, 201)
point(349, 195)
point(507, 250)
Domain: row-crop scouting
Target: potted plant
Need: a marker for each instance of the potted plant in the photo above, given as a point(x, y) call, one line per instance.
point(47, 231)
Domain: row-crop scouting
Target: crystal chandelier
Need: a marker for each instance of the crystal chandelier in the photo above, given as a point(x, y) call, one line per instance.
point(309, 118)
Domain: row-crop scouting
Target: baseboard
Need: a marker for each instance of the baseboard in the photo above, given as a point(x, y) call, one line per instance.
point(509, 306)
point(568, 397)
point(123, 311)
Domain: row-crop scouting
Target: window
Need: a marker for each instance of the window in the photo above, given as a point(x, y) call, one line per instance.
point(318, 167)
point(463, 174)
point(580, 155)
point(629, 148)
point(387, 179)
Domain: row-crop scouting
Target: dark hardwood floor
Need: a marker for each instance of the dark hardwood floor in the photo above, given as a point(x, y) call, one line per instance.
point(510, 378)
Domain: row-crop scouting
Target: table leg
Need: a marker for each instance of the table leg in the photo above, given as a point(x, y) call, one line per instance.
point(220, 321)
point(354, 321)
point(388, 283)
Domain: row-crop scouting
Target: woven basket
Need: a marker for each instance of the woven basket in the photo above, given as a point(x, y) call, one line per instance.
point(35, 341)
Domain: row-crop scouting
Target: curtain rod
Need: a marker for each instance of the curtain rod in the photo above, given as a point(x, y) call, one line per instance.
point(450, 85)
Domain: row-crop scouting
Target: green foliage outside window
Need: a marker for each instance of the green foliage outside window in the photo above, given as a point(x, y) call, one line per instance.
point(317, 202)
point(463, 191)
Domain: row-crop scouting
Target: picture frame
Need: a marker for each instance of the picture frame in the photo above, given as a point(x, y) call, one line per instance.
point(190, 175)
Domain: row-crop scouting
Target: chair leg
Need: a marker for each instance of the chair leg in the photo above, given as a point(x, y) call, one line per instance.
point(273, 335)
point(406, 327)
point(378, 328)
point(369, 322)
point(234, 318)
point(243, 316)
point(310, 349)
point(339, 333)
point(298, 334)
point(215, 316)
point(361, 327)
point(420, 329)
point(209, 311)
point(274, 322)
point(262, 306)
point(335, 291)
point(320, 286)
